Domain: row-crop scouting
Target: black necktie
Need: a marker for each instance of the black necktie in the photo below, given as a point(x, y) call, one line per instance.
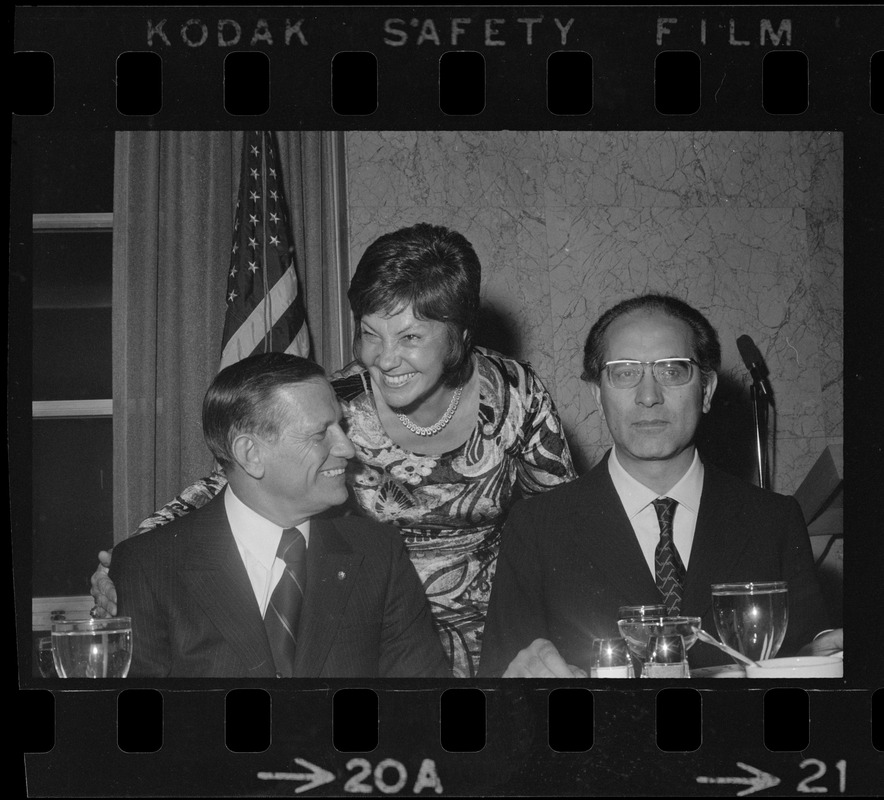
point(284, 608)
point(670, 571)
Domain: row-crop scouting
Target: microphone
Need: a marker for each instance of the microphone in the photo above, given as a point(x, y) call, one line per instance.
point(755, 364)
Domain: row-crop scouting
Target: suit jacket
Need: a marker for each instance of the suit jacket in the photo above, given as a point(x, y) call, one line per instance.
point(569, 559)
point(194, 613)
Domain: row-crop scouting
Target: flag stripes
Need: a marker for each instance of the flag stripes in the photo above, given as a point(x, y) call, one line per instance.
point(264, 310)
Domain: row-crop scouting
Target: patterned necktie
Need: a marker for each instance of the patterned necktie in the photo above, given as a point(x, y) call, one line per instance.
point(670, 571)
point(284, 608)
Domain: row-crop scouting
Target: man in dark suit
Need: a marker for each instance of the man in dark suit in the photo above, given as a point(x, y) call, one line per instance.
point(256, 583)
point(650, 523)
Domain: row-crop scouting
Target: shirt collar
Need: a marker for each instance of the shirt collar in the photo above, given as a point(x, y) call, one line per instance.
point(635, 496)
point(255, 533)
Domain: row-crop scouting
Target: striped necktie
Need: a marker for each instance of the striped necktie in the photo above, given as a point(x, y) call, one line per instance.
point(669, 569)
point(284, 608)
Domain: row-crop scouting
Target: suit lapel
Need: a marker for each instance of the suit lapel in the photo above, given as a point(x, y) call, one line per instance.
point(216, 578)
point(719, 540)
point(605, 537)
point(332, 571)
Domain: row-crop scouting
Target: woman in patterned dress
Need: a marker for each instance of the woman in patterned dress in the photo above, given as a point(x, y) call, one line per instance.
point(448, 435)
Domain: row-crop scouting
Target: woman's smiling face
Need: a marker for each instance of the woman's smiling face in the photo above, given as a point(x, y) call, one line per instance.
point(404, 355)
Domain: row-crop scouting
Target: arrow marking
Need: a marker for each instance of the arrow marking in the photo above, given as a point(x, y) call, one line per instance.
point(317, 776)
point(759, 780)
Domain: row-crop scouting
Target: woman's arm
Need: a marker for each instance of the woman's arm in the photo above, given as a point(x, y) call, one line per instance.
point(194, 496)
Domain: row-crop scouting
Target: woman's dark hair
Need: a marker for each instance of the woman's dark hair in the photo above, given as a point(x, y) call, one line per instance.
point(437, 272)
point(243, 398)
point(707, 350)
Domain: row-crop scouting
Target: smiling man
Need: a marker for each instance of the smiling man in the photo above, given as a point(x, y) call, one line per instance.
point(255, 583)
point(651, 523)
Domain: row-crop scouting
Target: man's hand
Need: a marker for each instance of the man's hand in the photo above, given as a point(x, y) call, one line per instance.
point(103, 589)
point(541, 659)
point(826, 644)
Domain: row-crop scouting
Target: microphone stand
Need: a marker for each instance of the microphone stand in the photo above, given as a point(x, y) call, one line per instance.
point(760, 408)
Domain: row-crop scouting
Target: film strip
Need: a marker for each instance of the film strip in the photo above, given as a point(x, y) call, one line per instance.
point(466, 71)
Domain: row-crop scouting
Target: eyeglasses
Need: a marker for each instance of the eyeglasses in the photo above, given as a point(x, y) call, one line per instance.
point(666, 371)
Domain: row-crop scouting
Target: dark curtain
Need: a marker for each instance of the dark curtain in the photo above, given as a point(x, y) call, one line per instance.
point(175, 193)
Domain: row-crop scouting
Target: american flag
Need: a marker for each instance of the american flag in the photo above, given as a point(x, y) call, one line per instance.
point(264, 312)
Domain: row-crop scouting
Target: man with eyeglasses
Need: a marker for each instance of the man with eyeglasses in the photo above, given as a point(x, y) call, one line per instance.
point(651, 523)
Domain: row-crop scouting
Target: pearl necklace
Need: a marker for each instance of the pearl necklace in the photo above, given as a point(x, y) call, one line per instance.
point(432, 430)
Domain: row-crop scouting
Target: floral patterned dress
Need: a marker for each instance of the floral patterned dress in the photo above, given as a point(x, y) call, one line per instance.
point(450, 507)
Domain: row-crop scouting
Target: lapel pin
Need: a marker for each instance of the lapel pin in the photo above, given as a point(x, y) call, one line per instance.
point(342, 575)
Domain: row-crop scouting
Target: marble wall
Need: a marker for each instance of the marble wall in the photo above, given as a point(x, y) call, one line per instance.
point(746, 226)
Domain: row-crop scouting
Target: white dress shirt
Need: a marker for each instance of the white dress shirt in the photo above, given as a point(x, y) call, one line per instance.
point(637, 500)
point(258, 540)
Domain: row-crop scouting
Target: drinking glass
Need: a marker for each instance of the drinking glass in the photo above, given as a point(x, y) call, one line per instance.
point(648, 610)
point(45, 661)
point(93, 648)
point(751, 617)
point(638, 630)
point(610, 658)
point(667, 657)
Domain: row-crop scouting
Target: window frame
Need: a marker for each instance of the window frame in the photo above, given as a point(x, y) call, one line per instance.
point(44, 607)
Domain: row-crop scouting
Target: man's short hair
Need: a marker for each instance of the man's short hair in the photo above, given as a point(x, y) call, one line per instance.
point(243, 398)
point(707, 349)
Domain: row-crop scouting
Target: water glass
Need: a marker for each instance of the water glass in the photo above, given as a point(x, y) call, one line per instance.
point(667, 658)
point(45, 661)
point(93, 648)
point(751, 617)
point(638, 630)
point(610, 658)
point(647, 610)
